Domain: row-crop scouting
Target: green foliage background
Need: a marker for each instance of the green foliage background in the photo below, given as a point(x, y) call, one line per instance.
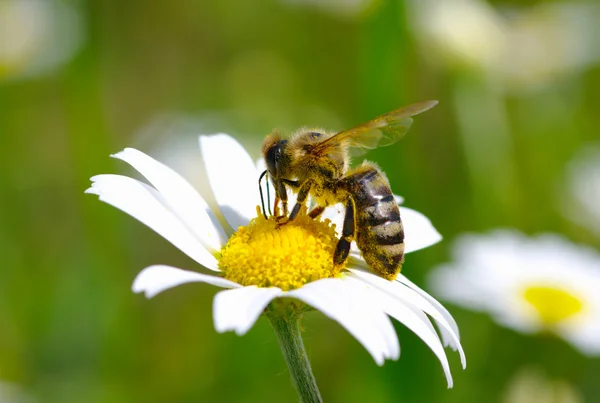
point(70, 328)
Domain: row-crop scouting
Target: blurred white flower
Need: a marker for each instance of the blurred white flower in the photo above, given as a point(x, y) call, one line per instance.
point(14, 393)
point(550, 41)
point(462, 32)
point(543, 283)
point(261, 262)
point(582, 203)
point(522, 48)
point(530, 385)
point(36, 36)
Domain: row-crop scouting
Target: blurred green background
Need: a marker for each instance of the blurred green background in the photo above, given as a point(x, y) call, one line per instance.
point(513, 112)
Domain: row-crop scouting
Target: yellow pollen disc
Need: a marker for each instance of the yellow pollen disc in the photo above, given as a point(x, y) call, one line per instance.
point(552, 304)
point(287, 256)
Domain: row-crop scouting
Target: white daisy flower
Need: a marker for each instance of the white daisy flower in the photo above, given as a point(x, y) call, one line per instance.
point(37, 36)
point(261, 267)
point(542, 283)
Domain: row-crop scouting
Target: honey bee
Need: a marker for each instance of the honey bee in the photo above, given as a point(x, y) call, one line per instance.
point(317, 163)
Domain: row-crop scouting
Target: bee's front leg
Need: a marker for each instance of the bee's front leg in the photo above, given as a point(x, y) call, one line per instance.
point(281, 196)
point(302, 196)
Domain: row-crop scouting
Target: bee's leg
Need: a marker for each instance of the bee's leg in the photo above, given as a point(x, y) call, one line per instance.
point(302, 196)
point(317, 211)
point(282, 193)
point(292, 184)
point(343, 246)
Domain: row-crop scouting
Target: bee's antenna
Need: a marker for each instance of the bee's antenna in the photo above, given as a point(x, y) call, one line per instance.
point(262, 200)
point(269, 197)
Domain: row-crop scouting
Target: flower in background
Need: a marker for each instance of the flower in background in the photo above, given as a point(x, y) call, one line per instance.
point(544, 283)
point(523, 48)
point(531, 385)
point(261, 262)
point(572, 30)
point(14, 393)
point(36, 36)
point(466, 33)
point(583, 183)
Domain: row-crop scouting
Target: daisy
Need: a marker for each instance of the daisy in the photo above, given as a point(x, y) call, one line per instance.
point(276, 271)
point(37, 37)
point(543, 283)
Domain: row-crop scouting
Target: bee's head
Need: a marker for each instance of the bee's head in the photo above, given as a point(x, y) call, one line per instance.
point(273, 152)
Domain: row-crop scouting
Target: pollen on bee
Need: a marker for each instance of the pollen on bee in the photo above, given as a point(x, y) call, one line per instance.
point(266, 254)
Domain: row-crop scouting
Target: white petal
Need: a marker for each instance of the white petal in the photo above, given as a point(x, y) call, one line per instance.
point(180, 196)
point(449, 318)
point(238, 309)
point(399, 199)
point(419, 324)
point(419, 233)
point(446, 323)
point(585, 336)
point(354, 308)
point(156, 279)
point(147, 205)
point(417, 301)
point(335, 214)
point(232, 176)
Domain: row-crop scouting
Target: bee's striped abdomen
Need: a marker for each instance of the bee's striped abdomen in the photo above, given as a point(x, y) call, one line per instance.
point(379, 230)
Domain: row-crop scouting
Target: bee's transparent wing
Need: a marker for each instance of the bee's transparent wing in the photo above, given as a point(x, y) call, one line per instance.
point(379, 137)
point(379, 132)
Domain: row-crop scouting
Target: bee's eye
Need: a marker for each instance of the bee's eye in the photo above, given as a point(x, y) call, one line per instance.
point(315, 135)
point(273, 157)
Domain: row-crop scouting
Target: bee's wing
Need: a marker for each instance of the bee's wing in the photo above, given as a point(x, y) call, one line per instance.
point(379, 132)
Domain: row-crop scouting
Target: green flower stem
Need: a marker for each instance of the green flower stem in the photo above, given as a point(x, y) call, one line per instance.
point(287, 329)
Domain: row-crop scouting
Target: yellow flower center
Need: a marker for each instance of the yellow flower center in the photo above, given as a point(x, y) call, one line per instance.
point(552, 304)
point(287, 256)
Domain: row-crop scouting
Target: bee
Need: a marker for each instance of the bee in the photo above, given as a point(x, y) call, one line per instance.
point(317, 163)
